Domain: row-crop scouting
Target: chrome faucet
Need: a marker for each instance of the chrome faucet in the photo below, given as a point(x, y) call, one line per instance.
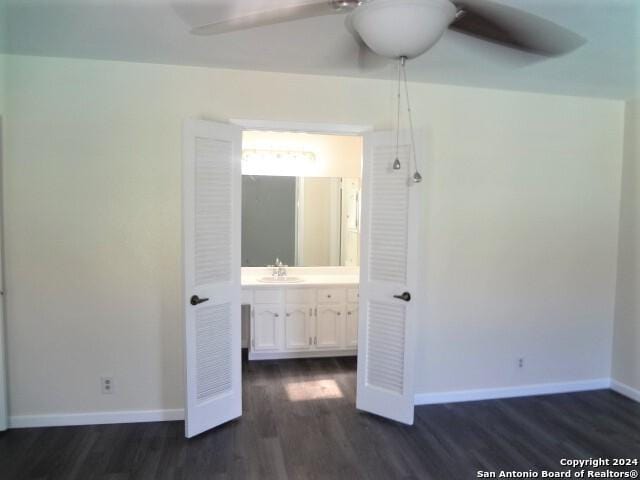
point(282, 270)
point(279, 270)
point(274, 270)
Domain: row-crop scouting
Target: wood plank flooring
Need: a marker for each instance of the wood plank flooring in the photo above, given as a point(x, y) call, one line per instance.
point(298, 424)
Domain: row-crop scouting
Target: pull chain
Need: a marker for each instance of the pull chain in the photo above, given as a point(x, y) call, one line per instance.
point(417, 178)
point(396, 162)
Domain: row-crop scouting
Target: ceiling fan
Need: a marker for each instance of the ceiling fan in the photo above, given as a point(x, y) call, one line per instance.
point(405, 29)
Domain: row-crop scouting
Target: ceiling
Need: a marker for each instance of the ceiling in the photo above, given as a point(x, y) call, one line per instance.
point(157, 31)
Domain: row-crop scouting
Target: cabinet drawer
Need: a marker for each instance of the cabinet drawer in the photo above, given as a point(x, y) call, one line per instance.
point(331, 295)
point(267, 296)
point(299, 295)
point(352, 295)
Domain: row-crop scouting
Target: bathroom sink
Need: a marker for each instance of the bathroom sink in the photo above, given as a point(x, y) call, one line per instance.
point(281, 280)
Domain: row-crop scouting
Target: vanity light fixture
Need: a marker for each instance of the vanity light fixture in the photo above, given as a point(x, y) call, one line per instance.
point(282, 161)
point(278, 155)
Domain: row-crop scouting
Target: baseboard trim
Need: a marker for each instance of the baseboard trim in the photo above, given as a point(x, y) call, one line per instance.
point(509, 392)
point(138, 416)
point(625, 390)
point(95, 418)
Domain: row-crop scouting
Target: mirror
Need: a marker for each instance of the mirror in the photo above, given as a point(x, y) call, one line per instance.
point(303, 221)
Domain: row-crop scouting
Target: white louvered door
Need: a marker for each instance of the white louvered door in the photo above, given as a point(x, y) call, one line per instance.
point(211, 261)
point(391, 217)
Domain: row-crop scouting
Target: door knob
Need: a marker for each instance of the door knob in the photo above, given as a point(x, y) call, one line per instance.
point(195, 300)
point(406, 296)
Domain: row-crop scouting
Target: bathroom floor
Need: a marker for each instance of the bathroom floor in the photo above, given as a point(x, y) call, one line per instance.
point(300, 422)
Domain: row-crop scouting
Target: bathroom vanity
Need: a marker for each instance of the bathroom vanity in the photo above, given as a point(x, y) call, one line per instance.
point(310, 221)
point(313, 312)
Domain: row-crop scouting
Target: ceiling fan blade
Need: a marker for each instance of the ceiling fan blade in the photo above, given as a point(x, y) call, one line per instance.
point(278, 15)
point(514, 28)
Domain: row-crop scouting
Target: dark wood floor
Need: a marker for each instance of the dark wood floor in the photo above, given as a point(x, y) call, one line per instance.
point(297, 424)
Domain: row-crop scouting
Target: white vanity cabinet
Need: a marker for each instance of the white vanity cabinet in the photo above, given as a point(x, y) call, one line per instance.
point(294, 321)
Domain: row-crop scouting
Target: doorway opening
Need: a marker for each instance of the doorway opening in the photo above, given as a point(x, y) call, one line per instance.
point(301, 197)
point(326, 308)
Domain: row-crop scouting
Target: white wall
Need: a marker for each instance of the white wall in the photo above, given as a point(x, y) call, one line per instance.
point(521, 221)
point(2, 81)
point(626, 344)
point(3, 386)
point(3, 44)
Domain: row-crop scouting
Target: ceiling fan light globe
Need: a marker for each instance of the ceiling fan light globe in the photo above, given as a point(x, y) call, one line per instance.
point(402, 28)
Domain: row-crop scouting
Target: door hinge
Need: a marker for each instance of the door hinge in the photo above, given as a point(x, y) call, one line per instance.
point(315, 340)
point(316, 311)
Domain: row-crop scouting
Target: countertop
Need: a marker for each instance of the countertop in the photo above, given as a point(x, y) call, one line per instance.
point(313, 277)
point(310, 280)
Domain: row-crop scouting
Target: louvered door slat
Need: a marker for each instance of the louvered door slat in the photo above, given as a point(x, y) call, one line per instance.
point(213, 350)
point(213, 222)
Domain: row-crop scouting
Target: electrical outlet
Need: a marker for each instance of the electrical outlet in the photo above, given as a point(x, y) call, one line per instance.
point(521, 362)
point(107, 385)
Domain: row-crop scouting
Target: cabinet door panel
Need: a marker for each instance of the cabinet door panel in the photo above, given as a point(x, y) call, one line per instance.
point(330, 327)
point(297, 323)
point(351, 327)
point(266, 327)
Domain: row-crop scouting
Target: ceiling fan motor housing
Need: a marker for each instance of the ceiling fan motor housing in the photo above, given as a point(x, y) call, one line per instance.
point(402, 28)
